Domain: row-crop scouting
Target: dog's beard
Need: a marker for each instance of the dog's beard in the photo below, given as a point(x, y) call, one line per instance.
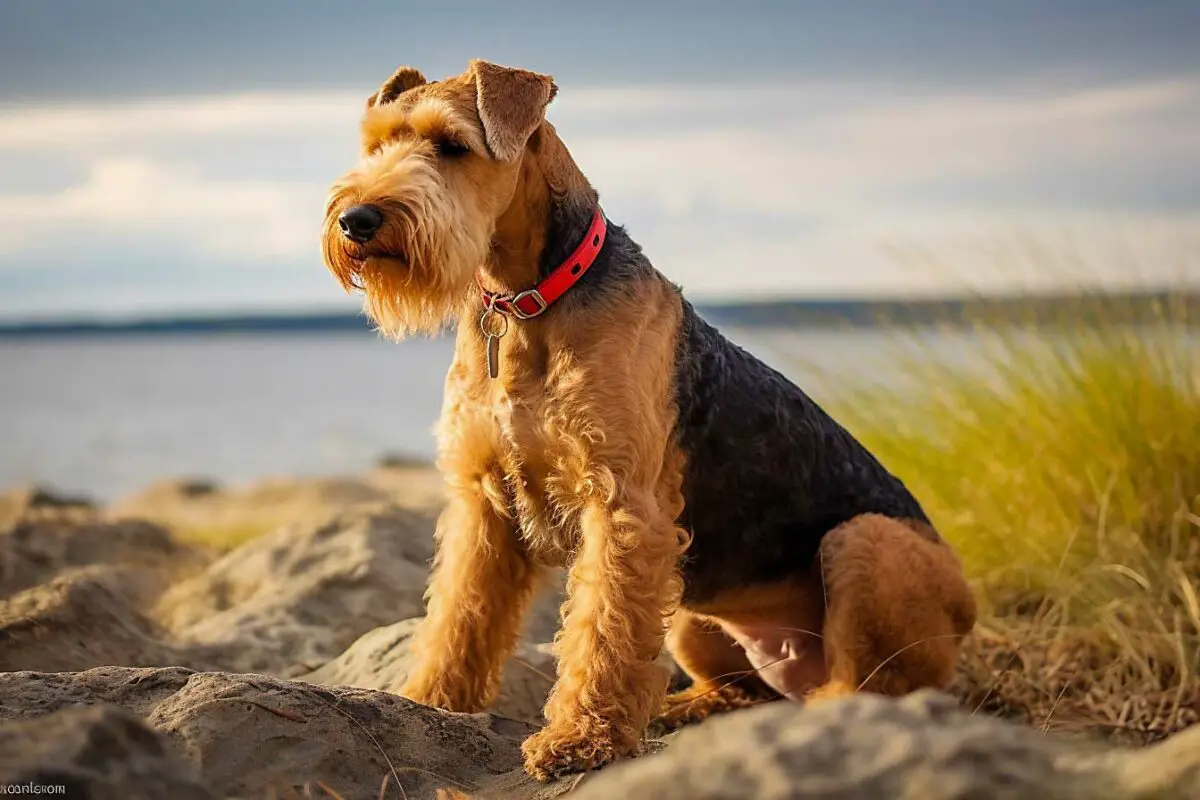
point(416, 272)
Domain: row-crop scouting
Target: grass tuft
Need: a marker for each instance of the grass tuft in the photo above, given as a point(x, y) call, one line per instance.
point(222, 538)
point(1060, 454)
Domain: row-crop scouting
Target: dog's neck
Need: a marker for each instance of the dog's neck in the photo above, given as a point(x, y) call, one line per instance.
point(550, 212)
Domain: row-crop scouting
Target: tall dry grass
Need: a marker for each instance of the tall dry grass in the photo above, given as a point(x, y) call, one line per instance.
point(1060, 454)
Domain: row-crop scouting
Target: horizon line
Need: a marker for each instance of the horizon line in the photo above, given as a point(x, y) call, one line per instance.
point(752, 311)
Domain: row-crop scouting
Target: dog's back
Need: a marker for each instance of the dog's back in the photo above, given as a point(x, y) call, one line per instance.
point(768, 473)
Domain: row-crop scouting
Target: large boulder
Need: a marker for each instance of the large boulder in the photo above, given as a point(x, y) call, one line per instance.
point(923, 747)
point(251, 735)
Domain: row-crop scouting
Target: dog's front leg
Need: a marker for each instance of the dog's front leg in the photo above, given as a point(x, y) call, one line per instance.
point(481, 585)
point(623, 584)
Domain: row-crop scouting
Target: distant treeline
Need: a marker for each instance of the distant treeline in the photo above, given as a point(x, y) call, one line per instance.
point(1040, 309)
point(1046, 309)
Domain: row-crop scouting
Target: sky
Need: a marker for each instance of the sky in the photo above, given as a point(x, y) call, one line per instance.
point(173, 157)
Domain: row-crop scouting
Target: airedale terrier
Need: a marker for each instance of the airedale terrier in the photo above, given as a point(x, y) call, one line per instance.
point(592, 420)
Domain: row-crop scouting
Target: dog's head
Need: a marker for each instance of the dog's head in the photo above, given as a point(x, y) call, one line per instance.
point(412, 222)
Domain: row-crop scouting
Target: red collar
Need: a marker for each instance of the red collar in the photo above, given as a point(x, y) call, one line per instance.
point(532, 302)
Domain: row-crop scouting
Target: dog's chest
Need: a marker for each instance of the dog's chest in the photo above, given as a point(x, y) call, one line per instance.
point(534, 454)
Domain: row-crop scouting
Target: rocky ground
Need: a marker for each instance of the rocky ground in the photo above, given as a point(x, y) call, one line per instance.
point(137, 663)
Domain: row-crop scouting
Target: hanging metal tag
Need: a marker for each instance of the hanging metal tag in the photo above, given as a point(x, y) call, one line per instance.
point(492, 333)
point(493, 356)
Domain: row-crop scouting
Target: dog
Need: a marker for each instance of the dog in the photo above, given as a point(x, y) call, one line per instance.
point(593, 421)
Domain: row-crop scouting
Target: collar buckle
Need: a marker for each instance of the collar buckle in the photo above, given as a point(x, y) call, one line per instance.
point(540, 304)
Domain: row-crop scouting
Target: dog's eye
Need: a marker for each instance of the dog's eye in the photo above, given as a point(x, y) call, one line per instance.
point(450, 148)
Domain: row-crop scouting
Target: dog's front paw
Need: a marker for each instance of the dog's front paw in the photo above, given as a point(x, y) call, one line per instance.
point(552, 753)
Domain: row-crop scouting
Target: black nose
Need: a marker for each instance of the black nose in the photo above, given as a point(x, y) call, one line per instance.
point(359, 223)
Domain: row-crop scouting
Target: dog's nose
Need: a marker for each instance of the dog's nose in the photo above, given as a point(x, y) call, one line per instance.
point(359, 223)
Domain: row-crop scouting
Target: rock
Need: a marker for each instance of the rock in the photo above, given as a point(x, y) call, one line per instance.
point(923, 747)
point(33, 501)
point(319, 598)
point(282, 604)
point(87, 618)
point(382, 659)
point(402, 461)
point(101, 752)
point(250, 735)
point(201, 510)
point(542, 621)
point(74, 587)
point(293, 599)
point(1170, 769)
point(411, 485)
point(36, 548)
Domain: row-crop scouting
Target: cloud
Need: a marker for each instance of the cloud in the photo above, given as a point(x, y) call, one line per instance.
point(795, 187)
point(787, 158)
point(87, 127)
point(247, 219)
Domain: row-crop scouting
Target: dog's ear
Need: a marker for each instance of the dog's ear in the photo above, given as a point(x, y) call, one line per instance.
point(401, 81)
point(512, 103)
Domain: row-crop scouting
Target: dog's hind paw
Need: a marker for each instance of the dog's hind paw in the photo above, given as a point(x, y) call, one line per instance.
point(698, 704)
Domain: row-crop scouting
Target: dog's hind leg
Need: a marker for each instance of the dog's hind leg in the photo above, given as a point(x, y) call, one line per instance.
point(723, 679)
point(897, 607)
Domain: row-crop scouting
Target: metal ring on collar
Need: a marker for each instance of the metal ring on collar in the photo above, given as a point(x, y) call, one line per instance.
point(491, 312)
